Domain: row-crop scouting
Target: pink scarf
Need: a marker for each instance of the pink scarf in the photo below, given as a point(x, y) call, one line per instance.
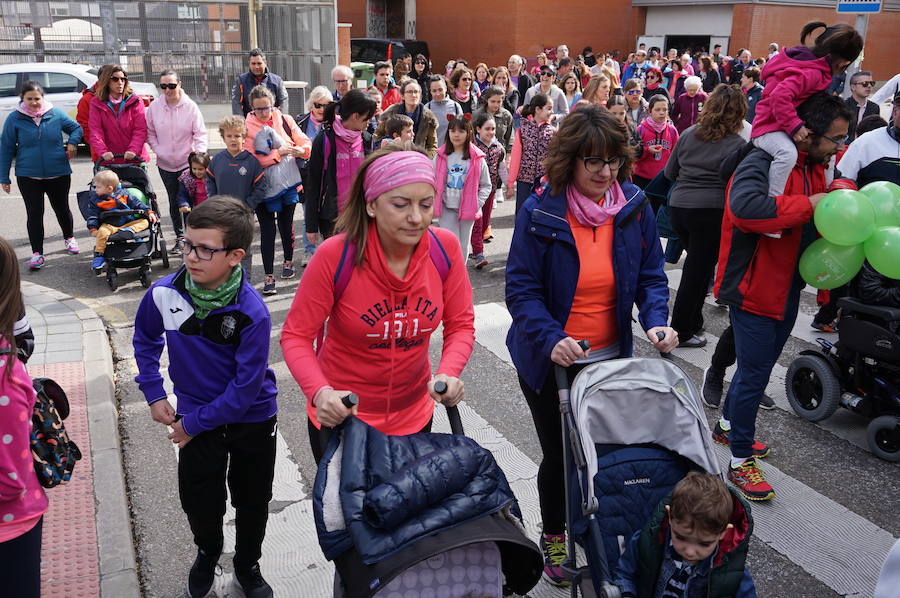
point(348, 154)
point(591, 213)
point(658, 128)
point(462, 97)
point(39, 113)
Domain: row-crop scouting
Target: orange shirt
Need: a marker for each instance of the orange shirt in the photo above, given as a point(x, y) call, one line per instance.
point(593, 314)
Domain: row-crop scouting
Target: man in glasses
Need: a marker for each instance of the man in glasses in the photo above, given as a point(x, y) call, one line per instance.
point(637, 69)
point(861, 87)
point(546, 86)
point(257, 75)
point(342, 77)
point(874, 155)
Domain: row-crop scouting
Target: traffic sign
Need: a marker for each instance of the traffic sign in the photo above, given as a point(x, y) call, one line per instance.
point(858, 6)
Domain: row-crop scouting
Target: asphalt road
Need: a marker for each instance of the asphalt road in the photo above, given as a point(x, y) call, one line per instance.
point(824, 535)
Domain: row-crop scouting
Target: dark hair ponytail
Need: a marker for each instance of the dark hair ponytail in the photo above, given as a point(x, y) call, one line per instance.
point(30, 86)
point(355, 101)
point(537, 100)
point(840, 40)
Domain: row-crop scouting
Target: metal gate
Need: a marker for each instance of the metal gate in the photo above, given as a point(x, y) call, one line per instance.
point(206, 42)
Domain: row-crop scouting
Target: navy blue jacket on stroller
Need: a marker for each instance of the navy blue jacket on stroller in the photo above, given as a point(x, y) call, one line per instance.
point(385, 505)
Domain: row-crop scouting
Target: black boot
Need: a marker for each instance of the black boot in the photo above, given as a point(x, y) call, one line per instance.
point(252, 583)
point(202, 574)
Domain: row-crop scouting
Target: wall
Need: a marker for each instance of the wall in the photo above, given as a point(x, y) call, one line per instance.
point(343, 43)
point(688, 20)
point(353, 12)
point(755, 26)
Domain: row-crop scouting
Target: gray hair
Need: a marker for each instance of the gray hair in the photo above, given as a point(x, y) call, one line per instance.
point(342, 69)
point(517, 58)
point(693, 80)
point(319, 92)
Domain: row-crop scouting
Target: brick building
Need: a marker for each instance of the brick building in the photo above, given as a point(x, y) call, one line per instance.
point(491, 31)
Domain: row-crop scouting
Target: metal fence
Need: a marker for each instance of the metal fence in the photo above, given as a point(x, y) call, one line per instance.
point(206, 42)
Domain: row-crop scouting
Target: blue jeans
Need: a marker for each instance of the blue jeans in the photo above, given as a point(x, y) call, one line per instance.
point(759, 341)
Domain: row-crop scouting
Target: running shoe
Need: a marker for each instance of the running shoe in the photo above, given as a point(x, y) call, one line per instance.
point(480, 261)
point(828, 328)
point(767, 402)
point(720, 436)
point(555, 554)
point(252, 583)
point(72, 246)
point(176, 248)
point(269, 286)
point(202, 575)
point(713, 387)
point(748, 478)
point(287, 271)
point(98, 263)
point(36, 262)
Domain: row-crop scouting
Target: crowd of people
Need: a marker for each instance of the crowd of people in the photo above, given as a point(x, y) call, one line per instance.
point(734, 153)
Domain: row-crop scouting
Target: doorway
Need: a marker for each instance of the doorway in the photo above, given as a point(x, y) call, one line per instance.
point(687, 43)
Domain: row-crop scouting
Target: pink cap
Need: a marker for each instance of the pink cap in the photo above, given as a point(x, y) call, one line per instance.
point(395, 170)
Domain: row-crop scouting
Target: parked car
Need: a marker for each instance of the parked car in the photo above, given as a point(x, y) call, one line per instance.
point(372, 49)
point(62, 83)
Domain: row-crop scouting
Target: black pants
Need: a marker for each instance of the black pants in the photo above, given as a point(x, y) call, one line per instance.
point(725, 354)
point(700, 230)
point(551, 482)
point(319, 437)
point(20, 564)
point(170, 182)
point(245, 453)
point(268, 221)
point(57, 191)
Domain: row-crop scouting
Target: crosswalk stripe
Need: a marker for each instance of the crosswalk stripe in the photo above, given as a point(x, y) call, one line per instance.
point(844, 553)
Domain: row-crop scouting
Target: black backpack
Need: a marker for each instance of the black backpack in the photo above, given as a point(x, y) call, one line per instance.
point(54, 452)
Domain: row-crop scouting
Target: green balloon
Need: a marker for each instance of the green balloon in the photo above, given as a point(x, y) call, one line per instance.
point(138, 195)
point(825, 265)
point(845, 217)
point(885, 198)
point(883, 251)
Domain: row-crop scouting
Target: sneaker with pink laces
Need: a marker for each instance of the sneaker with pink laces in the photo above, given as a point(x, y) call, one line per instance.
point(72, 246)
point(36, 262)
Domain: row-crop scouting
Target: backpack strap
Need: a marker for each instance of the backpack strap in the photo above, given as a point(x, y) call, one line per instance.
point(439, 256)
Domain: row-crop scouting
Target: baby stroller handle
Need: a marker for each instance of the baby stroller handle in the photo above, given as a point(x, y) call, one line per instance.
point(562, 380)
point(456, 426)
point(135, 160)
point(350, 401)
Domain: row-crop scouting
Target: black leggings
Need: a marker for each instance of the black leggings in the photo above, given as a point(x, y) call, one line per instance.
point(551, 483)
point(57, 191)
point(20, 563)
point(267, 225)
point(319, 437)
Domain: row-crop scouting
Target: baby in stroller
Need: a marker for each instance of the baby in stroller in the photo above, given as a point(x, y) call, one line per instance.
point(695, 544)
point(110, 195)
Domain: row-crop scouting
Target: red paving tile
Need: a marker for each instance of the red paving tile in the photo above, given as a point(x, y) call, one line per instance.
point(70, 563)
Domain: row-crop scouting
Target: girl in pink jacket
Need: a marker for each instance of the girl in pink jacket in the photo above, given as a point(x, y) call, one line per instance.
point(22, 499)
point(462, 180)
point(790, 78)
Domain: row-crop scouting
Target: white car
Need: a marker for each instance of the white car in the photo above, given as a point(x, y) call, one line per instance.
point(62, 83)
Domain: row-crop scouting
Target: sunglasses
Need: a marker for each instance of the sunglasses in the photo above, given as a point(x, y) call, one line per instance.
point(546, 74)
point(167, 85)
point(317, 106)
point(865, 83)
point(420, 62)
point(634, 92)
point(264, 109)
point(117, 79)
point(466, 79)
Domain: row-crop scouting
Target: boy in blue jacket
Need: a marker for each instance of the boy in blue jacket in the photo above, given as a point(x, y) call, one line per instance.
point(110, 195)
point(216, 328)
point(694, 546)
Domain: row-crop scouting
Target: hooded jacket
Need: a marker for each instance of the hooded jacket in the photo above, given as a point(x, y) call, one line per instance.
point(754, 95)
point(789, 78)
point(474, 191)
point(378, 332)
point(119, 199)
point(82, 115)
point(120, 129)
point(243, 83)
point(542, 275)
point(37, 149)
point(647, 561)
point(173, 132)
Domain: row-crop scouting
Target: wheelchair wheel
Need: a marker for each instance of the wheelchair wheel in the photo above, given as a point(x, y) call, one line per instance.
point(813, 390)
point(883, 436)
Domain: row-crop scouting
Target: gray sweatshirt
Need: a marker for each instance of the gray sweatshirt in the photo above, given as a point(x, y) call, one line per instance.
point(694, 167)
point(457, 173)
point(560, 103)
point(441, 110)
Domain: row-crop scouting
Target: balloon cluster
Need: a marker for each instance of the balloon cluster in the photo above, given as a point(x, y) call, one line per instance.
point(855, 226)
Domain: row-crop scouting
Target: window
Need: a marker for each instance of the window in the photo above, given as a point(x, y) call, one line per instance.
point(8, 85)
point(56, 82)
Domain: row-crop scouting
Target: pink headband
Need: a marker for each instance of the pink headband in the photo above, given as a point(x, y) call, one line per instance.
point(395, 170)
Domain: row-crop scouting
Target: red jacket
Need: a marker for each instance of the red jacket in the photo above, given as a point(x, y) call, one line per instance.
point(755, 271)
point(83, 114)
point(390, 96)
point(125, 131)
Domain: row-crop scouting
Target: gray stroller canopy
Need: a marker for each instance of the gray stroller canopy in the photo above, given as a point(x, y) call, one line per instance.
point(640, 400)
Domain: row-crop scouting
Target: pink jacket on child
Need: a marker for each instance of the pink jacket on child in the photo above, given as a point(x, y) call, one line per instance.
point(22, 499)
point(790, 78)
point(468, 201)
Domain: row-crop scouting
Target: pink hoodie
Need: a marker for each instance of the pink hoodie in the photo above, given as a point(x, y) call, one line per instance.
point(468, 201)
point(173, 132)
point(790, 78)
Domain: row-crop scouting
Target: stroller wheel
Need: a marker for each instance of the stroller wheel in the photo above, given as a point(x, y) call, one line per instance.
point(112, 279)
point(163, 254)
point(144, 275)
point(813, 390)
point(883, 436)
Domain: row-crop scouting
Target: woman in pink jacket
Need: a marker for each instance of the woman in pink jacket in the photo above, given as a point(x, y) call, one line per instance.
point(22, 499)
point(175, 128)
point(117, 122)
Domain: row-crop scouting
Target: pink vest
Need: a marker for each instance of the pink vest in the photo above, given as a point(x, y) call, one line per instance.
point(468, 201)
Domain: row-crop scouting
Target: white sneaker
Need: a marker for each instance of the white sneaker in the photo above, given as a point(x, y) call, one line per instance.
point(72, 246)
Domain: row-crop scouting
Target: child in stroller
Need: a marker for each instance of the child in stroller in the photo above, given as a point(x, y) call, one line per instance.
point(109, 196)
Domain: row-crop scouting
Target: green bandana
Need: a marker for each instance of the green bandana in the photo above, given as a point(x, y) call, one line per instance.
point(206, 300)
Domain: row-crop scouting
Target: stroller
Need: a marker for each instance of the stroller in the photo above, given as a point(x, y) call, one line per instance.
point(391, 533)
point(632, 428)
point(138, 251)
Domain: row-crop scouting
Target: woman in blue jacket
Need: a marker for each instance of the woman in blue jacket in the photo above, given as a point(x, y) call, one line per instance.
point(33, 136)
point(585, 250)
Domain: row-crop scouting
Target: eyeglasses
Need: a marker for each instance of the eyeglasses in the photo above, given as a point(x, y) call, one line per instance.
point(865, 83)
point(115, 79)
point(837, 142)
point(465, 78)
point(341, 80)
point(634, 92)
point(412, 92)
point(263, 109)
point(168, 85)
point(318, 106)
point(594, 164)
point(546, 74)
point(202, 252)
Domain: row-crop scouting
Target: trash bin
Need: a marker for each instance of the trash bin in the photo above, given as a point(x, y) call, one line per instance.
point(296, 96)
point(363, 73)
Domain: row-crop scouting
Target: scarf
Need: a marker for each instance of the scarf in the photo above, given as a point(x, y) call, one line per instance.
point(348, 155)
point(206, 300)
point(462, 97)
point(591, 213)
point(658, 128)
point(651, 86)
point(37, 115)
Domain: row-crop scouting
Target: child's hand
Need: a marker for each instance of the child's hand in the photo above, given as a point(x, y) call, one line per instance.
point(93, 233)
point(152, 217)
point(656, 149)
point(162, 412)
point(184, 209)
point(801, 134)
point(179, 436)
point(385, 142)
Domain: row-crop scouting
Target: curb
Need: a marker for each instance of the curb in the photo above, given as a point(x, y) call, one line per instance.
point(115, 544)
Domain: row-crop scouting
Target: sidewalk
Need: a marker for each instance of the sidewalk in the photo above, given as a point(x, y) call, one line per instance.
point(88, 549)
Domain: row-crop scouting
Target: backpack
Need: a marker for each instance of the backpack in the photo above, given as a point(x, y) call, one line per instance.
point(53, 452)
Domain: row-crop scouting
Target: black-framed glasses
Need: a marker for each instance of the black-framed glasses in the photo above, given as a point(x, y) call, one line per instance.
point(261, 110)
point(202, 252)
point(865, 83)
point(318, 106)
point(341, 80)
point(595, 164)
point(839, 141)
point(168, 85)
